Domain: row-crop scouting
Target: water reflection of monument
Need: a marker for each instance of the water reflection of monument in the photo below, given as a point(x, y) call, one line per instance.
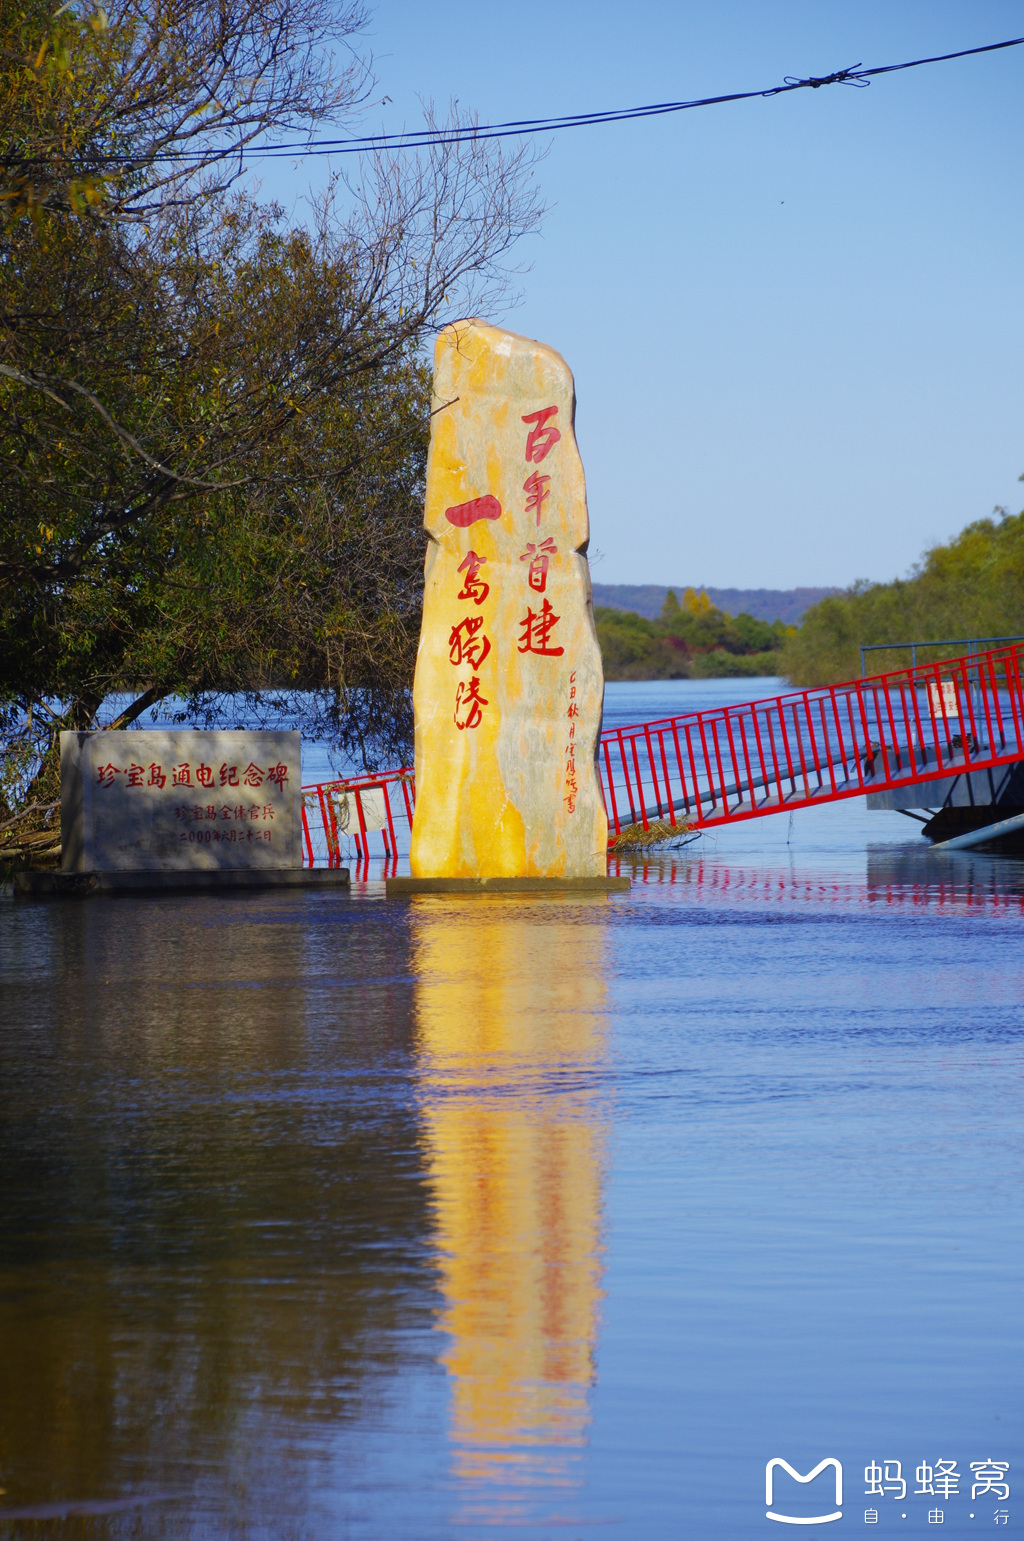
point(511, 1041)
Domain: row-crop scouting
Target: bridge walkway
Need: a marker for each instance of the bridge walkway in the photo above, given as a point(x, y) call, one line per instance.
point(705, 769)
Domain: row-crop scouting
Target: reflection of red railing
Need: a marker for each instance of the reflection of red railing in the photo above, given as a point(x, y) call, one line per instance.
point(716, 767)
point(896, 881)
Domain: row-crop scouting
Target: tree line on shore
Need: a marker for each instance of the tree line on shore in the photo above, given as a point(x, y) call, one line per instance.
point(691, 640)
point(969, 587)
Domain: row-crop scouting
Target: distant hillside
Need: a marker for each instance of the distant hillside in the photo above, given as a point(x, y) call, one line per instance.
point(764, 604)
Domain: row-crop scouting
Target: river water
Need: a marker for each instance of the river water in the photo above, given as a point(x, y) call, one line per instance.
point(328, 1216)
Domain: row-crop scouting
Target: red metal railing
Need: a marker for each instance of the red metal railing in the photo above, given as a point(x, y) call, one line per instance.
point(703, 769)
point(357, 808)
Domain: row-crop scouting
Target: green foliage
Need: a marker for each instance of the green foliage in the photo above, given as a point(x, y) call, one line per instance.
point(633, 649)
point(47, 57)
point(213, 427)
point(101, 108)
point(973, 586)
point(720, 664)
point(690, 640)
point(283, 549)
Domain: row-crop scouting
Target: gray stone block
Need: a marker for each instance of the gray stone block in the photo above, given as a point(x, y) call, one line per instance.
point(151, 801)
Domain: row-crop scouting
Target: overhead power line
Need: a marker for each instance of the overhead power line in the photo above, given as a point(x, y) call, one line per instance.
point(854, 75)
point(415, 139)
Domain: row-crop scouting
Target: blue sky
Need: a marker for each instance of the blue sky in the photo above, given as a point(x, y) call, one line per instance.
point(795, 323)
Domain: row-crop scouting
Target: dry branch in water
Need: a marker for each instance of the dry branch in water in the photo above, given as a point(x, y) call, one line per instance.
point(637, 837)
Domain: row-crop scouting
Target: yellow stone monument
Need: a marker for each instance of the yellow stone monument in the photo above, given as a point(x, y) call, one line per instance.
point(509, 685)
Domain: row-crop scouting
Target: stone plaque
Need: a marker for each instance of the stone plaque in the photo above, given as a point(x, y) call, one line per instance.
point(151, 801)
point(509, 686)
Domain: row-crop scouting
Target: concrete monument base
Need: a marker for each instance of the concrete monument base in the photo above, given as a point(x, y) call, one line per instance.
point(84, 885)
point(398, 888)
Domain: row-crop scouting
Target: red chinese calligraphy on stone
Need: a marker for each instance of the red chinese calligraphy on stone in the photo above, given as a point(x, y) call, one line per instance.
point(253, 776)
point(182, 775)
point(105, 775)
point(136, 775)
point(537, 631)
point(156, 776)
point(474, 587)
point(536, 489)
point(541, 438)
point(538, 558)
point(465, 514)
point(464, 646)
point(204, 775)
point(571, 786)
point(469, 704)
point(229, 775)
point(571, 783)
point(278, 775)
